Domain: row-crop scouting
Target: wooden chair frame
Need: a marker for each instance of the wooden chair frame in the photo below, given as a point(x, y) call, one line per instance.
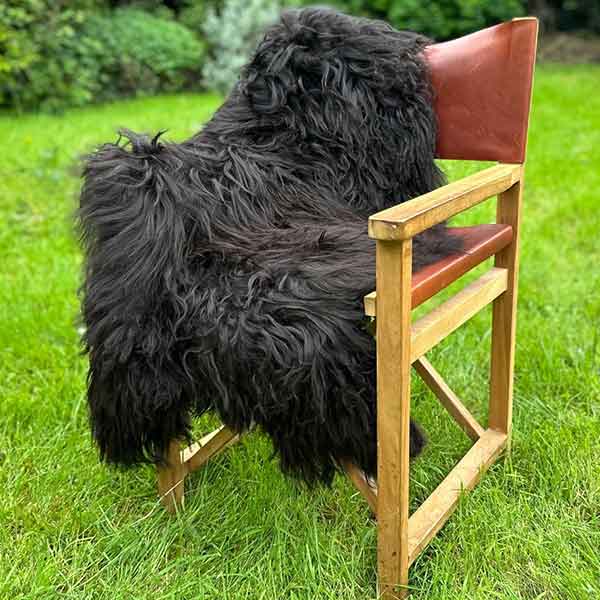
point(475, 122)
point(400, 344)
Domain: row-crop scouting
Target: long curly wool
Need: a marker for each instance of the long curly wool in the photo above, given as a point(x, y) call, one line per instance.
point(227, 273)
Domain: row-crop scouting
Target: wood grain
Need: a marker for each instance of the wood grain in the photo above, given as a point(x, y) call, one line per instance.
point(429, 518)
point(504, 316)
point(394, 266)
point(405, 220)
point(449, 316)
point(171, 477)
point(199, 453)
point(370, 304)
point(368, 489)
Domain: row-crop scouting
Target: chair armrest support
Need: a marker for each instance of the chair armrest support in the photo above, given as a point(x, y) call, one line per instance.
point(405, 220)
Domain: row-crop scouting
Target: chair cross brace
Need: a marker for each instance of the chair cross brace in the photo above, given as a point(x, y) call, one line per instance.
point(448, 399)
point(180, 462)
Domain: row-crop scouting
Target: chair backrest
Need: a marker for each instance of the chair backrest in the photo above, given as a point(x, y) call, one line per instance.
point(482, 84)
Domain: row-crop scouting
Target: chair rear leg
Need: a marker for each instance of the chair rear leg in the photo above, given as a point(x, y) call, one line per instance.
point(171, 477)
point(504, 317)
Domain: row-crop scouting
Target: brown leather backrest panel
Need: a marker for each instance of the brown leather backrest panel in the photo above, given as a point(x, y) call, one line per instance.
point(482, 84)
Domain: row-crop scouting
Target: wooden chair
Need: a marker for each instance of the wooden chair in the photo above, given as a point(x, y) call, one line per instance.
point(483, 85)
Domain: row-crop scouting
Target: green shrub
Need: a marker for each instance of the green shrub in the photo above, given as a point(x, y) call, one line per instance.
point(446, 19)
point(231, 36)
point(564, 15)
point(139, 54)
point(31, 32)
point(438, 19)
point(165, 9)
point(73, 56)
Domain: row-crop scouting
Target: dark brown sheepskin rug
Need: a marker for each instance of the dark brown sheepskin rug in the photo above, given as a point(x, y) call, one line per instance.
point(227, 273)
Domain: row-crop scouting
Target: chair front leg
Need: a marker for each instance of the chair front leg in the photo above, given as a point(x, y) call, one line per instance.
point(394, 270)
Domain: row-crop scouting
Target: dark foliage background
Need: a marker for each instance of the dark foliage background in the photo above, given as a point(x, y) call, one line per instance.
point(59, 53)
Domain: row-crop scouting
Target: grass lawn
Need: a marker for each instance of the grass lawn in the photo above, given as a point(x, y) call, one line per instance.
point(72, 528)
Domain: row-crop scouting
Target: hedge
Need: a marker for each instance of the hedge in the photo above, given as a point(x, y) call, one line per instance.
point(58, 53)
point(53, 56)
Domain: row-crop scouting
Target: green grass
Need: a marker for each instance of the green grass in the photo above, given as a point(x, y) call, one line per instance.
point(72, 528)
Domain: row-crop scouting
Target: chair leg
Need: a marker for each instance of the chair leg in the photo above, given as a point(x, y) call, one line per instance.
point(171, 477)
point(393, 415)
point(504, 316)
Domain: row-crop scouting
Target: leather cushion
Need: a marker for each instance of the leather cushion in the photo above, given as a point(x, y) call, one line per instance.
point(480, 242)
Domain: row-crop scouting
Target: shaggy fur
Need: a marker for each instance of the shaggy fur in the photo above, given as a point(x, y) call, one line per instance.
point(227, 273)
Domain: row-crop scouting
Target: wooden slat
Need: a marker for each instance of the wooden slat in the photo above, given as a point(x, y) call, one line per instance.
point(190, 450)
point(370, 302)
point(198, 453)
point(367, 488)
point(405, 220)
point(429, 518)
point(449, 316)
point(448, 399)
point(504, 315)
point(394, 266)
